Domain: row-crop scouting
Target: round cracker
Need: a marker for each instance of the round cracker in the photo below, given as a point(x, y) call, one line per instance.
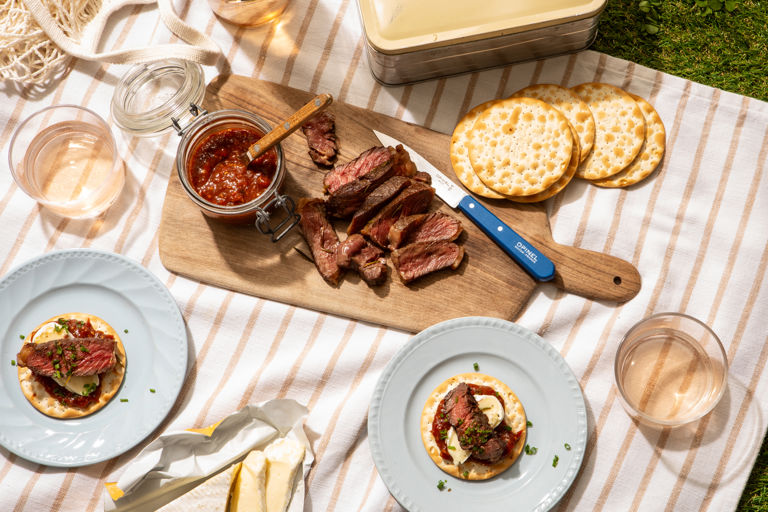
point(520, 146)
point(572, 107)
point(560, 184)
point(41, 400)
point(514, 417)
point(460, 153)
point(650, 154)
point(619, 130)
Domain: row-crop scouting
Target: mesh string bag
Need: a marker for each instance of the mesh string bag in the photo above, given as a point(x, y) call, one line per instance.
point(38, 37)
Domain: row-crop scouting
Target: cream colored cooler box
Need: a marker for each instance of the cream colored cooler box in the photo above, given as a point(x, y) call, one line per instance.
point(412, 40)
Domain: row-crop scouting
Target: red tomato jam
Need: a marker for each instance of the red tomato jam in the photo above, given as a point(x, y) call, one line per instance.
point(441, 425)
point(217, 170)
point(65, 396)
point(78, 329)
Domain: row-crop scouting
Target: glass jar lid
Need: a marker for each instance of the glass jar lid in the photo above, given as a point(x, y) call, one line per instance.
point(149, 96)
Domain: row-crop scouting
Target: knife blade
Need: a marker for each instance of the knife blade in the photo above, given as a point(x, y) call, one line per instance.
point(526, 255)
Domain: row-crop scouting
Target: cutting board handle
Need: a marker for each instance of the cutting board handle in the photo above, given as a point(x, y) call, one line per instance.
point(594, 275)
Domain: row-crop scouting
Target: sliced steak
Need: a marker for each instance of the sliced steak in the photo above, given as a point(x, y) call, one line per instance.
point(414, 199)
point(423, 177)
point(348, 198)
point(472, 428)
point(376, 200)
point(367, 162)
point(402, 162)
point(421, 258)
point(320, 132)
point(359, 254)
point(424, 227)
point(68, 356)
point(321, 238)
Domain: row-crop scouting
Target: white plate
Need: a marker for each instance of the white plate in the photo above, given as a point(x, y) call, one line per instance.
point(127, 296)
point(534, 370)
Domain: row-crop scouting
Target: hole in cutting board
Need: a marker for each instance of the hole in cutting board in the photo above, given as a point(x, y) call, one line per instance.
point(617, 280)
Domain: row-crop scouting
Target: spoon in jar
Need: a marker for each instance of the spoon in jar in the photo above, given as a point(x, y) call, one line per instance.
point(287, 127)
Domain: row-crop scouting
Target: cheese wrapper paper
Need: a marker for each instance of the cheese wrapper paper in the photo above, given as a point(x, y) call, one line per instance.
point(178, 461)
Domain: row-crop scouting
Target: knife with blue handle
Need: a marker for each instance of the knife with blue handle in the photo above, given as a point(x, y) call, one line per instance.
point(526, 255)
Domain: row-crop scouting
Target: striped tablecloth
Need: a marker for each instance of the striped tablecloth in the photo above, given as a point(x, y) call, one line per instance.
point(696, 231)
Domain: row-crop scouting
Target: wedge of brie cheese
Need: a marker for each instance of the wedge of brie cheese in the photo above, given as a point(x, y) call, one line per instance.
point(458, 454)
point(249, 494)
point(284, 457)
point(210, 496)
point(492, 409)
point(82, 385)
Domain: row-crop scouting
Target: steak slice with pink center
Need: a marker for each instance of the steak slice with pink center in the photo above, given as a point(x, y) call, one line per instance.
point(321, 238)
point(421, 258)
point(368, 160)
point(424, 227)
point(359, 254)
point(68, 356)
point(320, 132)
point(414, 199)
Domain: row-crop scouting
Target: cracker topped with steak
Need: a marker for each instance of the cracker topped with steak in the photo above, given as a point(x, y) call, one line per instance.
point(473, 426)
point(71, 365)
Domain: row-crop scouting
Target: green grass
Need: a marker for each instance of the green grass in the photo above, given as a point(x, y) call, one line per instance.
point(727, 50)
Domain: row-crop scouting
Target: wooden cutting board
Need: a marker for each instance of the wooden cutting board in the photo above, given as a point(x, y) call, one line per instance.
point(487, 283)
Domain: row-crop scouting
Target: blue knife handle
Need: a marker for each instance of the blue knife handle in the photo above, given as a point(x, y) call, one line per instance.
point(526, 255)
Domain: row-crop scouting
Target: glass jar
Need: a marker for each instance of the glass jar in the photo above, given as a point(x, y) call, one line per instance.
point(149, 96)
point(155, 97)
point(248, 12)
point(259, 210)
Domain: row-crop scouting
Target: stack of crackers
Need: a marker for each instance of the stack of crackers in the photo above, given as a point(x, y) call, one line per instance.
point(528, 147)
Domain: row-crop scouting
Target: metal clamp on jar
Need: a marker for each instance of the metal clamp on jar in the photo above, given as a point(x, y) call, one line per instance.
point(211, 163)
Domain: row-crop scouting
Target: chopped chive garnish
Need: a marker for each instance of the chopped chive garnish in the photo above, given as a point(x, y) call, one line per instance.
point(466, 474)
point(151, 390)
point(528, 423)
point(451, 447)
point(441, 484)
point(125, 331)
point(476, 366)
point(530, 450)
point(567, 446)
point(21, 336)
point(554, 461)
point(123, 399)
point(13, 362)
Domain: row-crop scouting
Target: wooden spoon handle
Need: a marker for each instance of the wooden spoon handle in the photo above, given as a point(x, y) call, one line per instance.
point(287, 127)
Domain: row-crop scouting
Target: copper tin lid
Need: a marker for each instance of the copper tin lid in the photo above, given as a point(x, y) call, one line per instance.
point(400, 26)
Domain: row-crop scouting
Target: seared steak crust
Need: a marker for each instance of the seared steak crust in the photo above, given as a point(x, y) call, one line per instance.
point(320, 132)
point(414, 199)
point(421, 258)
point(346, 200)
point(368, 260)
point(68, 356)
point(321, 238)
point(376, 200)
point(402, 163)
point(424, 227)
